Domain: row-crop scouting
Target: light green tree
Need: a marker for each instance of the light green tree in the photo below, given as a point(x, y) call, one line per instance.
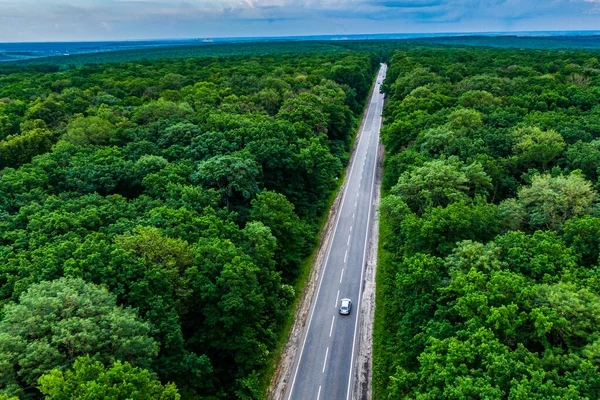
point(91, 380)
point(550, 201)
point(537, 147)
point(477, 99)
point(20, 149)
point(441, 182)
point(465, 119)
point(89, 130)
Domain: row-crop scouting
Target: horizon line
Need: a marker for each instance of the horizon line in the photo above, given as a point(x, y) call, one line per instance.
point(250, 38)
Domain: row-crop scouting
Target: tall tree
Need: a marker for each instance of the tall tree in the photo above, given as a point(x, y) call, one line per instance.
point(231, 175)
point(55, 322)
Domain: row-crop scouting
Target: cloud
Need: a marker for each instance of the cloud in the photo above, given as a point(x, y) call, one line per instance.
point(112, 19)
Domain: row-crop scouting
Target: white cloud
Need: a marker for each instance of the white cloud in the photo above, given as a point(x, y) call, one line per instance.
point(99, 19)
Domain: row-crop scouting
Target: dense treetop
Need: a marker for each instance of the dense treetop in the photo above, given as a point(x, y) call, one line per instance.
point(154, 216)
point(489, 279)
point(159, 212)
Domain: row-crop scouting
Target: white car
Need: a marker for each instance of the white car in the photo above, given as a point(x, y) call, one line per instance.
point(345, 306)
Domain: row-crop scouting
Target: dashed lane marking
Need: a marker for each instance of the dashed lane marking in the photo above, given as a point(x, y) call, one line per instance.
point(325, 362)
point(331, 329)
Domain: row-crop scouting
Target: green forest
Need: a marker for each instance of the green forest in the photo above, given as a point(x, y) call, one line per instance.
point(154, 217)
point(488, 281)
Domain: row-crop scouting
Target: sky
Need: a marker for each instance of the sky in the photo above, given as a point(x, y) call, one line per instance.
point(98, 20)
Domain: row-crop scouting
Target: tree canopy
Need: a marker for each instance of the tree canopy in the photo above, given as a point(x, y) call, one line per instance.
point(488, 279)
point(55, 322)
point(92, 380)
point(171, 203)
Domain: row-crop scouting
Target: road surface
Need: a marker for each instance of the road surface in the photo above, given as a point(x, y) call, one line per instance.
point(323, 366)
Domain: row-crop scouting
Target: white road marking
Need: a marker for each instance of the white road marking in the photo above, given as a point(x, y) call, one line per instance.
point(362, 268)
point(353, 215)
point(336, 299)
point(325, 362)
point(345, 256)
point(348, 244)
point(351, 228)
point(331, 329)
point(319, 394)
point(342, 277)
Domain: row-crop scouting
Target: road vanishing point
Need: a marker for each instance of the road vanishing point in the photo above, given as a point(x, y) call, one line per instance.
point(323, 368)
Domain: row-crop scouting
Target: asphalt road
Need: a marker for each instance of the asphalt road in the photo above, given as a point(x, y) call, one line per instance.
point(322, 368)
